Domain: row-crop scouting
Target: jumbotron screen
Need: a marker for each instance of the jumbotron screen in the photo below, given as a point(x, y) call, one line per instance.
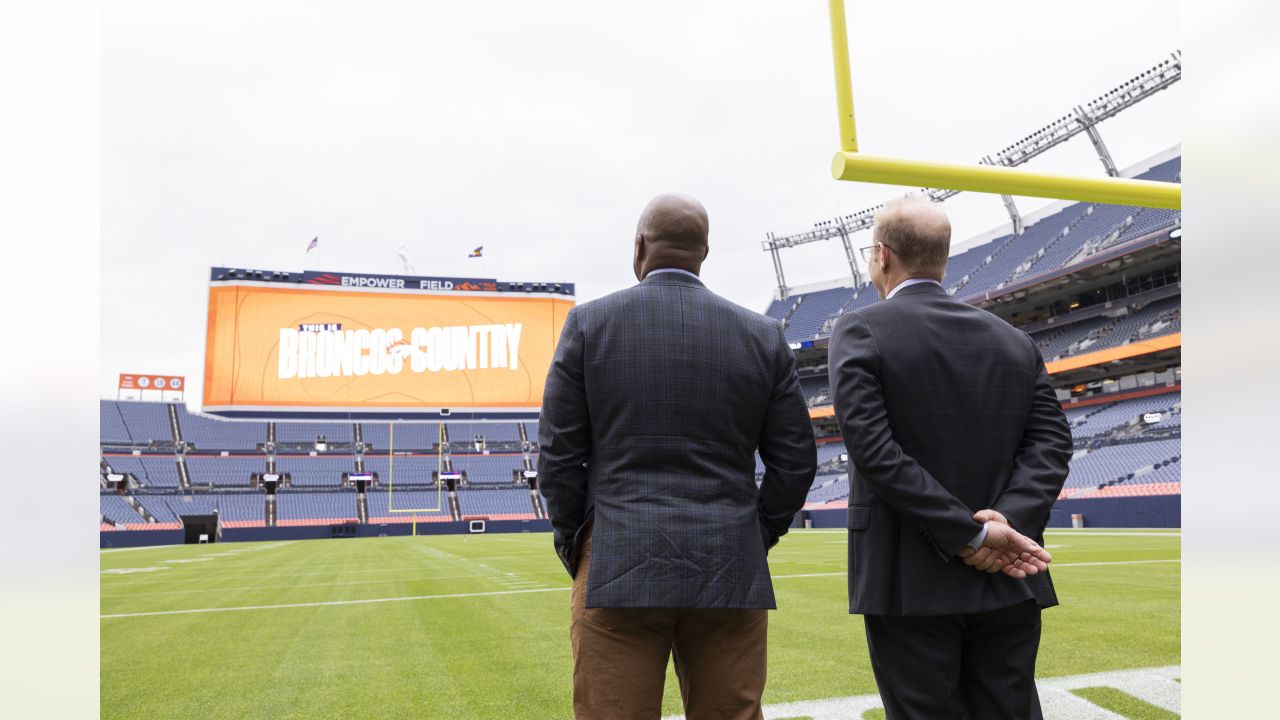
point(329, 344)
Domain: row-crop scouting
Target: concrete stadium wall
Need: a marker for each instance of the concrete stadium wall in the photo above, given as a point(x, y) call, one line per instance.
point(139, 538)
point(143, 538)
point(1156, 511)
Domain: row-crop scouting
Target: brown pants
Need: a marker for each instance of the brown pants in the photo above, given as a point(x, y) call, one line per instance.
point(620, 658)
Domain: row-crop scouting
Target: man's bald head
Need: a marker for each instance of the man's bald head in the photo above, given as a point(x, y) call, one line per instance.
point(672, 233)
point(918, 233)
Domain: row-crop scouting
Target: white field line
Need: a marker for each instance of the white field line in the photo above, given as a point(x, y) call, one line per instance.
point(244, 588)
point(1154, 685)
point(368, 601)
point(493, 593)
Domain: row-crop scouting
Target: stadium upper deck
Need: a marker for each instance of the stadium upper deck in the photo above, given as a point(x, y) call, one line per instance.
point(1079, 236)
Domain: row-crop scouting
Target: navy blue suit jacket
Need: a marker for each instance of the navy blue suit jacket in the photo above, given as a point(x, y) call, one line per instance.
point(657, 398)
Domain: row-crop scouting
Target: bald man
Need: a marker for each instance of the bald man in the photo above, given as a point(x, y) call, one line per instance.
point(656, 400)
point(957, 450)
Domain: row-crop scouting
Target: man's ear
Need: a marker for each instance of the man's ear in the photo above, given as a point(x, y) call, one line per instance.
point(706, 250)
point(638, 260)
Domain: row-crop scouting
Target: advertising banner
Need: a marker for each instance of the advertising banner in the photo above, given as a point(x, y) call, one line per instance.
point(391, 351)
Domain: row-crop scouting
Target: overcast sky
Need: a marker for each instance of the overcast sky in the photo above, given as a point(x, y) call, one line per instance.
point(234, 132)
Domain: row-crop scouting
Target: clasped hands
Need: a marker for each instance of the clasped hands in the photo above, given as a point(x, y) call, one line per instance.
point(1005, 550)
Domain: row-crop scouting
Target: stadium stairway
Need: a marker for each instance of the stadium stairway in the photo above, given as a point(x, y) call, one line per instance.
point(539, 512)
point(184, 473)
point(269, 510)
point(455, 509)
point(173, 424)
point(362, 508)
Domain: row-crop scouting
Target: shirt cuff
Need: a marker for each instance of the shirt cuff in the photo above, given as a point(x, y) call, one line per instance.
point(978, 539)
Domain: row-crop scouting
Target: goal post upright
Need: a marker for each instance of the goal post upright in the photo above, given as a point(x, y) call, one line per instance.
point(391, 477)
point(849, 164)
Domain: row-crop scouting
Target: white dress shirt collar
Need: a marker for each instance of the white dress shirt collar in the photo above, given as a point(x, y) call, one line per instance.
point(908, 283)
point(673, 270)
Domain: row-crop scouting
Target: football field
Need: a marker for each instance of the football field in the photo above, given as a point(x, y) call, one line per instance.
point(477, 627)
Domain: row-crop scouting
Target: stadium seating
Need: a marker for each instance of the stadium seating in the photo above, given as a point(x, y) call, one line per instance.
point(1111, 463)
point(297, 508)
point(144, 422)
point(409, 469)
point(117, 510)
point(240, 507)
point(1100, 419)
point(460, 433)
point(391, 507)
point(406, 436)
point(827, 488)
point(496, 503)
point(813, 312)
point(829, 452)
point(231, 471)
point(493, 469)
point(151, 470)
point(307, 432)
point(111, 423)
point(207, 433)
point(315, 471)
point(815, 389)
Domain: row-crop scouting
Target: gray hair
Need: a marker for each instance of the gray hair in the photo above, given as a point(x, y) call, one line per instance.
point(918, 232)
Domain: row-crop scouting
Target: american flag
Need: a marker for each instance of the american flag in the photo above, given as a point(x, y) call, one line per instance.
point(314, 242)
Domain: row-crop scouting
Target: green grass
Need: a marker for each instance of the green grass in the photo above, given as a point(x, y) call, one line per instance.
point(1124, 704)
point(508, 656)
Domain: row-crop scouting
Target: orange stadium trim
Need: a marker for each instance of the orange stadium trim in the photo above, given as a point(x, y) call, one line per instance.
point(1156, 344)
point(1137, 349)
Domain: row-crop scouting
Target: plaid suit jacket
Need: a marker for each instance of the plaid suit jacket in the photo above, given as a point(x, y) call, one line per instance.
point(656, 399)
point(945, 410)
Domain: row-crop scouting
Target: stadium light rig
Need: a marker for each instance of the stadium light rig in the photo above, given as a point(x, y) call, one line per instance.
point(850, 164)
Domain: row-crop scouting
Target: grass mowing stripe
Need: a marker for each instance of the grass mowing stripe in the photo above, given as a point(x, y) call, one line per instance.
point(1124, 704)
point(366, 601)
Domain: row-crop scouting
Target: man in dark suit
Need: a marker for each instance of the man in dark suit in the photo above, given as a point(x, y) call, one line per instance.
point(656, 400)
point(958, 448)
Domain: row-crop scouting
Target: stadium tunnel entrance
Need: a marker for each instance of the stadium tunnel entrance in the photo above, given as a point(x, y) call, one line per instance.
point(200, 529)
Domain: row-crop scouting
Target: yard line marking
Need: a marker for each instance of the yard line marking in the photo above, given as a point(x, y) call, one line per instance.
point(128, 571)
point(1153, 685)
point(367, 601)
point(243, 588)
point(493, 593)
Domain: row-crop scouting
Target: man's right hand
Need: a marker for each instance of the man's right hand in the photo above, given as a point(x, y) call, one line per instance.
point(1009, 551)
point(1005, 549)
